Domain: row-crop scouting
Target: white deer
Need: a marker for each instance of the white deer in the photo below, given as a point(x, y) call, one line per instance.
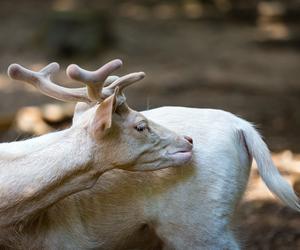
point(37, 173)
point(53, 198)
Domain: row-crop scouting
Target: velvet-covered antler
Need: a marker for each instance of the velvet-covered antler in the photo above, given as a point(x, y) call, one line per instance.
point(110, 83)
point(99, 84)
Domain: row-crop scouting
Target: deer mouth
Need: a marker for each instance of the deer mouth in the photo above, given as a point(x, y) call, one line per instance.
point(181, 157)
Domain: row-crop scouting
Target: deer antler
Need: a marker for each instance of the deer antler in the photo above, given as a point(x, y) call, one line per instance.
point(122, 83)
point(41, 80)
point(99, 84)
point(95, 81)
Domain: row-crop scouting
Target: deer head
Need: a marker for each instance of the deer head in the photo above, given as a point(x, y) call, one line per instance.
point(121, 137)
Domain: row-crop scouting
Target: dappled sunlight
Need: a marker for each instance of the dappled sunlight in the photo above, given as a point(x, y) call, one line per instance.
point(289, 165)
point(193, 9)
point(64, 5)
point(270, 9)
point(274, 30)
point(134, 11)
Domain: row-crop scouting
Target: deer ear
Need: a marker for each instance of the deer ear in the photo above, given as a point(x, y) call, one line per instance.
point(103, 118)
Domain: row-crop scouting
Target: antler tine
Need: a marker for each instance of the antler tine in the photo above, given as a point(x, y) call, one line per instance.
point(93, 79)
point(109, 80)
point(123, 82)
point(41, 80)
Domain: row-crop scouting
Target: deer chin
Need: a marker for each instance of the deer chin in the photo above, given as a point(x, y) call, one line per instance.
point(180, 157)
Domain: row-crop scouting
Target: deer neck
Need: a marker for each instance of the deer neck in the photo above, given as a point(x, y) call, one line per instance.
point(36, 173)
point(66, 144)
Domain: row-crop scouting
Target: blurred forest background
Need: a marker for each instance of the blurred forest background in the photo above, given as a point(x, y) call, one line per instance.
point(237, 55)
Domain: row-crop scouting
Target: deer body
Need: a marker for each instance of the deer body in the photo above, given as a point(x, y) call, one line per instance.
point(187, 207)
point(134, 210)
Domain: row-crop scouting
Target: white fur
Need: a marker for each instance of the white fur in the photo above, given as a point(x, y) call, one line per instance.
point(190, 207)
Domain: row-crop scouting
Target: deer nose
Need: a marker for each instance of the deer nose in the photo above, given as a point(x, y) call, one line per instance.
point(189, 139)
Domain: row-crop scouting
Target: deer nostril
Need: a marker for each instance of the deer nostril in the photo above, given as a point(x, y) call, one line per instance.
point(189, 139)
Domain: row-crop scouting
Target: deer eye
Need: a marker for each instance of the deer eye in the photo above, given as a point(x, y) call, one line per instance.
point(142, 126)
